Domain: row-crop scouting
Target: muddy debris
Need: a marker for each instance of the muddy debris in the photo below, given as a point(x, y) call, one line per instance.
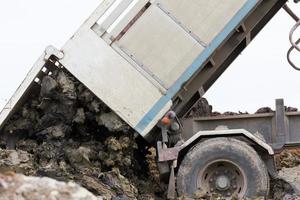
point(289, 158)
point(153, 169)
point(17, 161)
point(112, 122)
point(270, 110)
point(291, 109)
point(64, 132)
point(264, 110)
point(201, 109)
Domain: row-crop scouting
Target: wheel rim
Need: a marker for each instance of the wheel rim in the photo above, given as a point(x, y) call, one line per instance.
point(223, 178)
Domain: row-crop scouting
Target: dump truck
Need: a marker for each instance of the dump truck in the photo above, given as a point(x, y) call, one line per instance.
point(151, 61)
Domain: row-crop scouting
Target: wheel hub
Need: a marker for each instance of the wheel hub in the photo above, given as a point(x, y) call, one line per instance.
point(222, 178)
point(223, 183)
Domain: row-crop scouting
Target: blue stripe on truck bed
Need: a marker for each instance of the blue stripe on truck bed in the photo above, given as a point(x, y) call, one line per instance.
point(197, 64)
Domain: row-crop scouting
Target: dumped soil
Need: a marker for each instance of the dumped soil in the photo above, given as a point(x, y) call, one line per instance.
point(65, 133)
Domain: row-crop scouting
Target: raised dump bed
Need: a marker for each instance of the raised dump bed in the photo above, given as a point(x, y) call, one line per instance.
point(136, 55)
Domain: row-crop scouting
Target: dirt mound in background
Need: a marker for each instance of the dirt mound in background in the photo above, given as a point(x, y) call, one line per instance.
point(203, 109)
point(65, 133)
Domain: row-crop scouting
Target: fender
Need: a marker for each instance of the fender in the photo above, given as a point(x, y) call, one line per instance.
point(171, 154)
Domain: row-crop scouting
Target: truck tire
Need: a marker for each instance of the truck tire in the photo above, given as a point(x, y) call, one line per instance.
point(224, 166)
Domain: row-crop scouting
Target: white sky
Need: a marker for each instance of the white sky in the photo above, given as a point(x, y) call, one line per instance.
point(259, 76)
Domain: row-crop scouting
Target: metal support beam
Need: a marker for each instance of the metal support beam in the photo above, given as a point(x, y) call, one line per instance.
point(280, 123)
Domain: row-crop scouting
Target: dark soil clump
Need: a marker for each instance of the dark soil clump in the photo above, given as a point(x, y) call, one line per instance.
point(66, 133)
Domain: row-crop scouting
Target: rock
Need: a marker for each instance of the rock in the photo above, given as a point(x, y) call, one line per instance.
point(121, 185)
point(112, 122)
point(280, 188)
point(17, 161)
point(113, 144)
point(55, 132)
point(80, 116)
point(18, 125)
point(96, 106)
point(78, 157)
point(292, 176)
point(264, 110)
point(216, 114)
point(201, 109)
point(28, 146)
point(204, 109)
point(85, 95)
point(228, 113)
point(98, 187)
point(291, 109)
point(20, 187)
point(67, 85)
point(289, 158)
point(48, 87)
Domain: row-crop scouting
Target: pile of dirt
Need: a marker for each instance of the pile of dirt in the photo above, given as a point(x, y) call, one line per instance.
point(289, 158)
point(64, 132)
point(203, 109)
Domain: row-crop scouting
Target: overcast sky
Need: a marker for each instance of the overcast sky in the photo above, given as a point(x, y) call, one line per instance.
point(259, 76)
